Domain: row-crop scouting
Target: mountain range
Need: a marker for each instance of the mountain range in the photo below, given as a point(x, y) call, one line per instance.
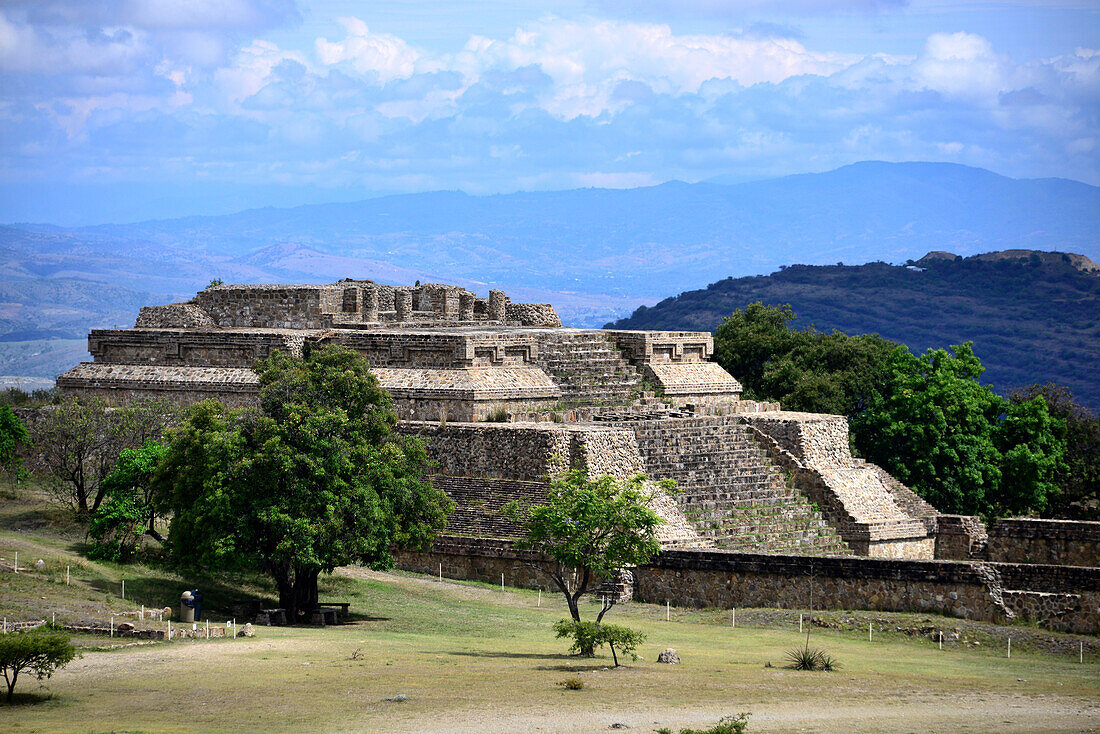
point(596, 254)
point(1034, 317)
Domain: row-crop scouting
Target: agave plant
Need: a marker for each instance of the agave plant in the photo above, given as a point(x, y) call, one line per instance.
point(810, 658)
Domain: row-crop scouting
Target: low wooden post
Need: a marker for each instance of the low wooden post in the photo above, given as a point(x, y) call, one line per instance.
point(1009, 647)
point(941, 639)
point(800, 623)
point(112, 625)
point(66, 575)
point(733, 617)
point(540, 598)
point(440, 573)
point(870, 631)
point(169, 630)
point(208, 629)
point(17, 561)
point(123, 588)
point(668, 613)
point(502, 582)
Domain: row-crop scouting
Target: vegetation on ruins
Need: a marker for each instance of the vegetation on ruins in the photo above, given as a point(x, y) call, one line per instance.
point(37, 652)
point(130, 507)
point(13, 436)
point(927, 420)
point(1032, 319)
point(77, 442)
point(589, 530)
point(311, 480)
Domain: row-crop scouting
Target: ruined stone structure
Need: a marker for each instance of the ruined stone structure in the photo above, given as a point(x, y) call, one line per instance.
point(505, 397)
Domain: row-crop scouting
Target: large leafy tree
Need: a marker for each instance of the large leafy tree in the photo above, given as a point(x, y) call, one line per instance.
point(312, 479)
point(804, 369)
point(1079, 480)
point(589, 529)
point(928, 419)
point(956, 442)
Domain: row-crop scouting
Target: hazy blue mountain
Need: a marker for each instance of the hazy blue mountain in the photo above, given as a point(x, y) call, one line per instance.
point(595, 253)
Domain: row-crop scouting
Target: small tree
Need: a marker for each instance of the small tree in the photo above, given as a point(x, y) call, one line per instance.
point(39, 653)
point(589, 528)
point(78, 442)
point(129, 507)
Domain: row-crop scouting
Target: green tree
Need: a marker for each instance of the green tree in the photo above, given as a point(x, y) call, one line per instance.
point(130, 507)
point(1079, 480)
point(313, 479)
point(13, 436)
point(957, 443)
point(803, 369)
point(78, 442)
point(39, 653)
point(589, 529)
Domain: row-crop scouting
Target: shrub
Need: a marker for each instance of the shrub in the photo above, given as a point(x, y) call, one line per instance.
point(587, 636)
point(571, 684)
point(726, 725)
point(810, 658)
point(37, 652)
point(497, 415)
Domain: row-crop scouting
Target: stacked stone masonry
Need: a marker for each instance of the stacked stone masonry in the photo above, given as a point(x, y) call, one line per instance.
point(506, 398)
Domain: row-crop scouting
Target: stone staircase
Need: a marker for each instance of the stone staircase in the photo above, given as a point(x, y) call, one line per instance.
point(730, 490)
point(587, 367)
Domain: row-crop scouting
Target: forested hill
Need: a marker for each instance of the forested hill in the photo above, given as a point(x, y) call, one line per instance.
point(1033, 317)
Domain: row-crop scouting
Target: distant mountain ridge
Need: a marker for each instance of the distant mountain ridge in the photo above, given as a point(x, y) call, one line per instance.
point(1033, 316)
point(596, 254)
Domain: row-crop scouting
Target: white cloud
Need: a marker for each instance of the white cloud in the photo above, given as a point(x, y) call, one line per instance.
point(380, 55)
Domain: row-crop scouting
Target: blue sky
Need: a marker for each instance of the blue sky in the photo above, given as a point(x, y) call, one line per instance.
point(144, 108)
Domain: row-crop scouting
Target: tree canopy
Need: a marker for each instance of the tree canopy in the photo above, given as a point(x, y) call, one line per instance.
point(38, 652)
point(927, 420)
point(130, 507)
point(13, 436)
point(313, 479)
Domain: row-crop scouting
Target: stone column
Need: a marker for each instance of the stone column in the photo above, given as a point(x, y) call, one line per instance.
point(497, 306)
point(370, 304)
point(465, 306)
point(404, 301)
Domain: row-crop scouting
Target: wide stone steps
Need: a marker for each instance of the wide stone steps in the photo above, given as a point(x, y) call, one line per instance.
point(730, 490)
point(586, 367)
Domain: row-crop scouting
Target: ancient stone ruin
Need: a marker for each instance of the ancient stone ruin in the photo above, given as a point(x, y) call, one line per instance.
point(505, 396)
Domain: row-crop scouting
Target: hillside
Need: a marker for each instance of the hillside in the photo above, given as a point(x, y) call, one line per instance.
point(1033, 317)
point(596, 254)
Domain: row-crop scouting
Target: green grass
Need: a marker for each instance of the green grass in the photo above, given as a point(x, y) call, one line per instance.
point(470, 657)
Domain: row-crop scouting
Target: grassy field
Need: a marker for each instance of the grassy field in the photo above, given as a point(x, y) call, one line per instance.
point(470, 657)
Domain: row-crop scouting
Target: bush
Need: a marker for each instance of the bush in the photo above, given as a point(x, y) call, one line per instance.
point(726, 725)
point(587, 636)
point(37, 652)
point(810, 658)
point(572, 684)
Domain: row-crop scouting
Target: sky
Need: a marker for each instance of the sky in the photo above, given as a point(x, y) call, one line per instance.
point(121, 110)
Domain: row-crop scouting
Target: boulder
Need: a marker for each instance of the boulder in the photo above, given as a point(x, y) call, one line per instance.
point(668, 655)
point(125, 627)
point(248, 630)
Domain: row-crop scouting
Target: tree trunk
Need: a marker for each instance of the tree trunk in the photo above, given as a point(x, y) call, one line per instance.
point(11, 683)
point(297, 590)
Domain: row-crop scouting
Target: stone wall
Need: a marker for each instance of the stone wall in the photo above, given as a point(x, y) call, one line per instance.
point(960, 538)
point(173, 316)
point(1066, 599)
point(532, 314)
point(271, 306)
point(1030, 540)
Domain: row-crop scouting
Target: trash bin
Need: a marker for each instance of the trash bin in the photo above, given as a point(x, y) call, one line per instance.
point(187, 607)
